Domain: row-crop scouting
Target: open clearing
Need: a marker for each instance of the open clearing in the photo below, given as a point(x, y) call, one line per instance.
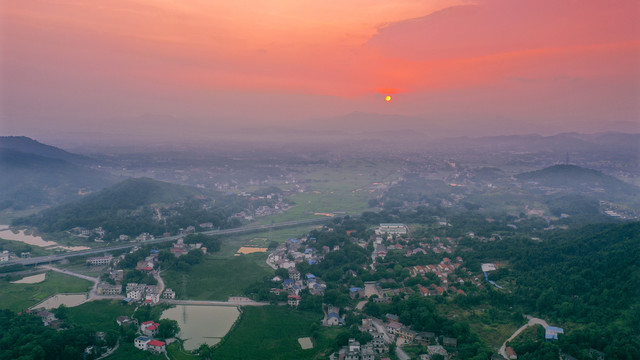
point(250, 250)
point(33, 279)
point(305, 343)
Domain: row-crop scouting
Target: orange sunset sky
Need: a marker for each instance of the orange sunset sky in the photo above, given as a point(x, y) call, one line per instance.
point(100, 66)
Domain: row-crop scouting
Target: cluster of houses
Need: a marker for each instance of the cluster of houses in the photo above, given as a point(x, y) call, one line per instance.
point(148, 330)
point(84, 232)
point(448, 280)
point(135, 292)
point(295, 283)
point(354, 351)
point(180, 248)
point(295, 251)
point(277, 206)
point(396, 236)
point(142, 292)
point(392, 330)
point(5, 255)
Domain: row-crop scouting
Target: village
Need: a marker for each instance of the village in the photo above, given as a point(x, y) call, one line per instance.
point(446, 278)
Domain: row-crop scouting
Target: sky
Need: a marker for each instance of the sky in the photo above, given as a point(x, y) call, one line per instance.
point(203, 67)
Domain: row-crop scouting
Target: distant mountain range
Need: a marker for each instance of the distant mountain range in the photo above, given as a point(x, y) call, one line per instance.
point(585, 181)
point(572, 142)
point(35, 174)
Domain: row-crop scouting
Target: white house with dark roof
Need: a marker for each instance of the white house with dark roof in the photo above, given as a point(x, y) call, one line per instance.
point(141, 342)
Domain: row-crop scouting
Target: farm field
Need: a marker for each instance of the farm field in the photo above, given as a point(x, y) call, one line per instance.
point(19, 297)
point(217, 278)
point(272, 332)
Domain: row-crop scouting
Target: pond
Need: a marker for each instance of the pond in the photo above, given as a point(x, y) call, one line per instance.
point(69, 300)
point(23, 236)
point(202, 324)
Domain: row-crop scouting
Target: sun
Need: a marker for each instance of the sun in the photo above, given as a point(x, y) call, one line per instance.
point(387, 98)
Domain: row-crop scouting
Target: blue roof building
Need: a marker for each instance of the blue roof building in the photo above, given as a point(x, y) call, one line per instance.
point(551, 332)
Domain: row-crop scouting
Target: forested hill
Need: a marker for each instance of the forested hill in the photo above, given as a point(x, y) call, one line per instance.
point(138, 205)
point(588, 278)
point(27, 145)
point(575, 178)
point(135, 192)
point(34, 180)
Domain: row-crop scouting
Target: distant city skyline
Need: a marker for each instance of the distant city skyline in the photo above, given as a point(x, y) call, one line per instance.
point(127, 69)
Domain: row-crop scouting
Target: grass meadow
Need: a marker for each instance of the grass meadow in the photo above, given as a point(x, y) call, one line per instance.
point(99, 315)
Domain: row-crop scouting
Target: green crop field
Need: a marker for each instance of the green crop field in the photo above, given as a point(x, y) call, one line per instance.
point(218, 278)
point(272, 332)
point(19, 297)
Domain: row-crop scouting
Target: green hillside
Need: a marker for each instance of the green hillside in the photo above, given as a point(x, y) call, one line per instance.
point(34, 180)
point(139, 205)
point(577, 179)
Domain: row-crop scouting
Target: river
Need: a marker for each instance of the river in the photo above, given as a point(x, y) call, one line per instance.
point(202, 324)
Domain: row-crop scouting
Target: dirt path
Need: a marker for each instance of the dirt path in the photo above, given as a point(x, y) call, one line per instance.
point(532, 321)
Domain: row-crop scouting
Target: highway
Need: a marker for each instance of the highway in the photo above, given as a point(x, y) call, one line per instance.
point(243, 229)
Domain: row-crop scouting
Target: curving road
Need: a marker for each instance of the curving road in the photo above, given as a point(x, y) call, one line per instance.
point(250, 228)
point(532, 321)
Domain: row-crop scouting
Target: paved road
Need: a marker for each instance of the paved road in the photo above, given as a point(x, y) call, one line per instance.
point(379, 325)
point(532, 321)
point(214, 303)
point(250, 228)
point(401, 354)
point(53, 268)
point(156, 275)
point(93, 293)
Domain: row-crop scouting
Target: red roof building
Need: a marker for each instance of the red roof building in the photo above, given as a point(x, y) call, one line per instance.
point(156, 346)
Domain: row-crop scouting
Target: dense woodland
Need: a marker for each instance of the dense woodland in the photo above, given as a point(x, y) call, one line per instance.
point(24, 337)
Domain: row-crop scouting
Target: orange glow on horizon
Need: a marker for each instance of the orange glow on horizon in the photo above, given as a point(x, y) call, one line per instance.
point(247, 60)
